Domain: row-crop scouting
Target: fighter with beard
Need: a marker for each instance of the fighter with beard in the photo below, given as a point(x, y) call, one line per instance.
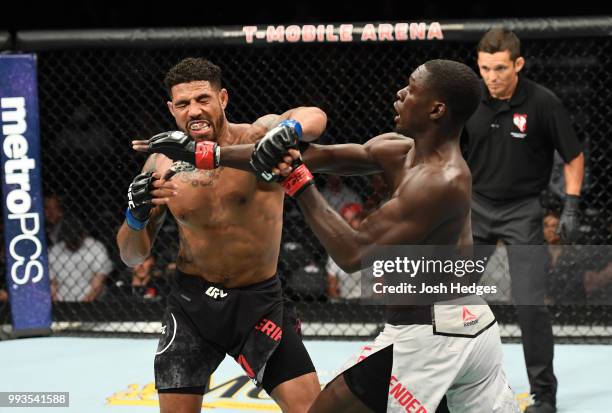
point(226, 297)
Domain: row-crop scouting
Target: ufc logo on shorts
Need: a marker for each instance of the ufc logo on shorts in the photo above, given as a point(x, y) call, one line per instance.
point(215, 293)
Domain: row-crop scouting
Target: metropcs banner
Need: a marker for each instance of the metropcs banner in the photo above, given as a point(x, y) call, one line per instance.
point(25, 246)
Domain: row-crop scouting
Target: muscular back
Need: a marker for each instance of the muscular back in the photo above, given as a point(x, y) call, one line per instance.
point(229, 223)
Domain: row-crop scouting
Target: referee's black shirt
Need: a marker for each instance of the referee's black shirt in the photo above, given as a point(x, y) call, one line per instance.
point(509, 145)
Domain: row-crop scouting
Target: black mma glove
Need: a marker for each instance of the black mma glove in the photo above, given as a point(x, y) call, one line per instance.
point(179, 146)
point(139, 201)
point(271, 149)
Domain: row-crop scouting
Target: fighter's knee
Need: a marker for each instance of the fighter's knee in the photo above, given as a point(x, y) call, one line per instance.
point(180, 403)
point(300, 404)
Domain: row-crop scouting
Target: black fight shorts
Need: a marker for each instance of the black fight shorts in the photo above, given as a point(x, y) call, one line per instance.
point(203, 322)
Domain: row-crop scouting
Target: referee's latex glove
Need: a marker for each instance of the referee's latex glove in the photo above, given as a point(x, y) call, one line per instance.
point(569, 224)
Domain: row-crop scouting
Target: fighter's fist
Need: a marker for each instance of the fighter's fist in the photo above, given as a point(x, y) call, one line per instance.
point(146, 191)
point(276, 147)
point(139, 201)
point(271, 149)
point(179, 146)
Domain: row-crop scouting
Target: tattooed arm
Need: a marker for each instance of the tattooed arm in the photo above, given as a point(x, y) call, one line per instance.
point(312, 120)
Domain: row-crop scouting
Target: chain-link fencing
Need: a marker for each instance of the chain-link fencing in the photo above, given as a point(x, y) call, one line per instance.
point(95, 101)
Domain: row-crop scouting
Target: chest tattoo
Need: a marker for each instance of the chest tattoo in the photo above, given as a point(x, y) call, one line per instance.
point(188, 174)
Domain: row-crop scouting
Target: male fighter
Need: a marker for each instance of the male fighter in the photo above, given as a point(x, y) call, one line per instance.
point(226, 297)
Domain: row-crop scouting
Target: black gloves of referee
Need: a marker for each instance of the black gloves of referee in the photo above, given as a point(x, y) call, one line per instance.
point(569, 224)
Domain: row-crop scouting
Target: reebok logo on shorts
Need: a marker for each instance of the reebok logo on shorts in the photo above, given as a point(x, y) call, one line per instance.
point(270, 329)
point(216, 293)
point(469, 319)
point(404, 397)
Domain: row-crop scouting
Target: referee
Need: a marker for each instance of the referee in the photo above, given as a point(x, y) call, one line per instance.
point(509, 145)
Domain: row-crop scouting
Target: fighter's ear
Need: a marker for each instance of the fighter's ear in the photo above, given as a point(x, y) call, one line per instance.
point(224, 97)
point(438, 110)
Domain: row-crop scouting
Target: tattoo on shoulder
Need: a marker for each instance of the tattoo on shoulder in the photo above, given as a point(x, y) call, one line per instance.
point(268, 121)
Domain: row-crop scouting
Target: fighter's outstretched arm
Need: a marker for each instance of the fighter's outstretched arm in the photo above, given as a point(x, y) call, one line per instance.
point(344, 159)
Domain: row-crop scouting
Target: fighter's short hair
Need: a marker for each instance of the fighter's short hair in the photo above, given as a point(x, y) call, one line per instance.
point(455, 84)
point(193, 69)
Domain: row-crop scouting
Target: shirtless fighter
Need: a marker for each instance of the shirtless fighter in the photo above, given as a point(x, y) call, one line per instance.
point(226, 298)
point(452, 347)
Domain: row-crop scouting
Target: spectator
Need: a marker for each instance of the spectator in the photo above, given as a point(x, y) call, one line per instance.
point(339, 283)
point(337, 193)
point(304, 276)
point(147, 281)
point(54, 213)
point(598, 285)
point(598, 280)
point(78, 264)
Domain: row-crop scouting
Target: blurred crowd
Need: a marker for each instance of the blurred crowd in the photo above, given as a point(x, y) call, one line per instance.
point(84, 267)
